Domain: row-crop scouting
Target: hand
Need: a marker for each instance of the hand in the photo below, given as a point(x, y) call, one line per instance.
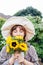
point(13, 58)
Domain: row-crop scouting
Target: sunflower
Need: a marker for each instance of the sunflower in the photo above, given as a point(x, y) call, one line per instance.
point(14, 44)
point(7, 49)
point(8, 40)
point(19, 37)
point(23, 46)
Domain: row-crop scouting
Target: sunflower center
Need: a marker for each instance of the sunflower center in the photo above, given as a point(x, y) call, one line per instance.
point(14, 44)
point(22, 46)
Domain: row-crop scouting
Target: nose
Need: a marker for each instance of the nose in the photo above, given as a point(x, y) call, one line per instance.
point(18, 33)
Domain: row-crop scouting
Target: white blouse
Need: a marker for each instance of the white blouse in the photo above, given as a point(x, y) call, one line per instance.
point(16, 61)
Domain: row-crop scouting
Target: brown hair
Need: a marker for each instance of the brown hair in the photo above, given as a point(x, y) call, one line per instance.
point(15, 26)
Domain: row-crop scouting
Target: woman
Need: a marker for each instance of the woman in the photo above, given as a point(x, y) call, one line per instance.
point(16, 26)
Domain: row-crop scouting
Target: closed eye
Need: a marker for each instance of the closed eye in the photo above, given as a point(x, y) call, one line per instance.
point(15, 31)
point(21, 31)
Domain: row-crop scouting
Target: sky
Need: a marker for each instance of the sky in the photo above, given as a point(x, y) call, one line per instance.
point(10, 7)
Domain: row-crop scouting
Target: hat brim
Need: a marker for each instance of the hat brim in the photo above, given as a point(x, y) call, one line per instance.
point(5, 30)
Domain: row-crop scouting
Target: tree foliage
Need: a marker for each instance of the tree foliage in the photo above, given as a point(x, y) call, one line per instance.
point(2, 20)
point(37, 40)
point(29, 10)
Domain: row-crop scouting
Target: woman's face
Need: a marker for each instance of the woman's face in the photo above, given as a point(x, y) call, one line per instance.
point(18, 32)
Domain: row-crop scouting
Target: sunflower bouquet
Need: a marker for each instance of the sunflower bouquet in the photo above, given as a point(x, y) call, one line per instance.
point(15, 43)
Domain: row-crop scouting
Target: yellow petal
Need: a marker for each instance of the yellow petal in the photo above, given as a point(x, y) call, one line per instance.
point(19, 37)
point(8, 40)
point(7, 49)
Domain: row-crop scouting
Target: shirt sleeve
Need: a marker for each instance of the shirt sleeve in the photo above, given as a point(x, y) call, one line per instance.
point(3, 56)
point(6, 63)
point(32, 55)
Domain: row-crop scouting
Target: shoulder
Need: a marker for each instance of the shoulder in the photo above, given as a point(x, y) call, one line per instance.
point(3, 51)
point(4, 54)
point(32, 48)
point(3, 48)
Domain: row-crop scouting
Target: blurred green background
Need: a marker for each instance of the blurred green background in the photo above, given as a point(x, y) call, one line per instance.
point(37, 19)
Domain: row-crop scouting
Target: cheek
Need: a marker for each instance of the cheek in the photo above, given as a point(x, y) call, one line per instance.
point(22, 34)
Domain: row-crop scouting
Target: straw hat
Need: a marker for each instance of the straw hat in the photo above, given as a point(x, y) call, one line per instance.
point(30, 31)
